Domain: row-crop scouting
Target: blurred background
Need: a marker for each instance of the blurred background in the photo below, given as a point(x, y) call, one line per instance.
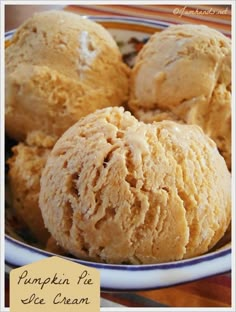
point(16, 14)
point(215, 16)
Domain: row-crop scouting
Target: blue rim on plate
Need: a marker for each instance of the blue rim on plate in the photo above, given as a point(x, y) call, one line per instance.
point(123, 20)
point(124, 277)
point(116, 277)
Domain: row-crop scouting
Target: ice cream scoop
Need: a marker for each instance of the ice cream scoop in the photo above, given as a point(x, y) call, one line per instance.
point(25, 168)
point(117, 190)
point(184, 73)
point(60, 67)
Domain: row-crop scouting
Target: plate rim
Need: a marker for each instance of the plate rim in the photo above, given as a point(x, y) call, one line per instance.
point(131, 267)
point(188, 269)
point(120, 19)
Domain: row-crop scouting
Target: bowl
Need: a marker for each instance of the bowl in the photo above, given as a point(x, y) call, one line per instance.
point(22, 249)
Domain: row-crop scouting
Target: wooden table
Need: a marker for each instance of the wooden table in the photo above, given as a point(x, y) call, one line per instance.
point(210, 292)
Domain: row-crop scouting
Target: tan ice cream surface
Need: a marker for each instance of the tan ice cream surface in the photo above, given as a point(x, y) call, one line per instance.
point(118, 190)
point(60, 67)
point(25, 168)
point(184, 73)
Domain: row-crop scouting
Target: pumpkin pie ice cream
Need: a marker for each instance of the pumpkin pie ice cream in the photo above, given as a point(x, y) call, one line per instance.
point(60, 67)
point(184, 73)
point(117, 190)
point(25, 168)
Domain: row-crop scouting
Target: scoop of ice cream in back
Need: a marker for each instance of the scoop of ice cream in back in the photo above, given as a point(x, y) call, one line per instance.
point(60, 67)
point(25, 168)
point(117, 190)
point(184, 73)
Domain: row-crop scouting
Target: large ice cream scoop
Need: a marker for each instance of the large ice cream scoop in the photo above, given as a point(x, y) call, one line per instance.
point(60, 67)
point(184, 73)
point(118, 190)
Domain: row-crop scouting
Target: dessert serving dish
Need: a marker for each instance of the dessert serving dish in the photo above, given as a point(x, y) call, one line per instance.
point(21, 247)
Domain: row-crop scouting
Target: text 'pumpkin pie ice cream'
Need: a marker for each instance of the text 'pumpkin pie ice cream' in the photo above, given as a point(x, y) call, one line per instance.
point(118, 190)
point(60, 67)
point(184, 73)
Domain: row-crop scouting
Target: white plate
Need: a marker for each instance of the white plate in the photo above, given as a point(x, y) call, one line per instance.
point(20, 249)
point(132, 277)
